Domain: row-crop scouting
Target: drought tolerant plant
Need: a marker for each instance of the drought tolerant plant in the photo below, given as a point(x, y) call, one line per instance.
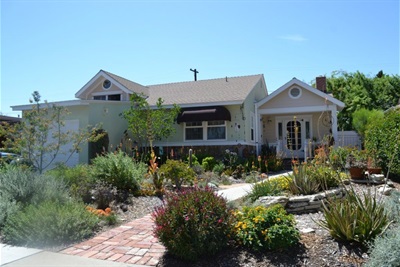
point(385, 251)
point(219, 168)
point(271, 187)
point(262, 228)
point(49, 224)
point(208, 163)
point(20, 187)
point(194, 223)
point(338, 156)
point(79, 179)
point(177, 172)
point(301, 182)
point(119, 170)
point(354, 218)
point(103, 194)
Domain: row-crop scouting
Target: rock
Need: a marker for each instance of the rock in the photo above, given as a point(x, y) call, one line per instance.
point(269, 201)
point(212, 186)
point(307, 230)
point(385, 190)
point(124, 207)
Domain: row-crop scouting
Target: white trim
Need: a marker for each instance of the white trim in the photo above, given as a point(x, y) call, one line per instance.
point(107, 93)
point(297, 82)
point(95, 79)
point(106, 88)
point(295, 97)
point(295, 110)
point(68, 103)
point(204, 126)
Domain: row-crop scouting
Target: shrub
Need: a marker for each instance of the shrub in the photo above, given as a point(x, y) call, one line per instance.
point(193, 223)
point(301, 183)
point(354, 218)
point(385, 251)
point(219, 168)
point(392, 206)
point(119, 170)
point(79, 179)
point(383, 138)
point(103, 194)
point(49, 224)
point(208, 163)
point(338, 157)
point(20, 187)
point(272, 187)
point(324, 174)
point(262, 228)
point(178, 172)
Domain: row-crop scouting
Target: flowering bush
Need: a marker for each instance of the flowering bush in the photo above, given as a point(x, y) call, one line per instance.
point(265, 228)
point(177, 171)
point(193, 223)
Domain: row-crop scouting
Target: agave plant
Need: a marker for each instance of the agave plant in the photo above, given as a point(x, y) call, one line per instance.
point(301, 183)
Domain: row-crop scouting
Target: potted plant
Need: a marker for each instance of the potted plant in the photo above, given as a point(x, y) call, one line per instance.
point(356, 163)
point(373, 164)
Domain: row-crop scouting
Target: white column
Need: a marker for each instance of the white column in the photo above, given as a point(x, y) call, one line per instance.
point(334, 123)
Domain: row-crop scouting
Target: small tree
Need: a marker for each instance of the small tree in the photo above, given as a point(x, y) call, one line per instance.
point(40, 136)
point(148, 124)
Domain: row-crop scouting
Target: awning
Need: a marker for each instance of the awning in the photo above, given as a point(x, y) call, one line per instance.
point(217, 113)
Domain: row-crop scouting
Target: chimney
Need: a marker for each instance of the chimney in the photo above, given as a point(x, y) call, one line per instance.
point(321, 83)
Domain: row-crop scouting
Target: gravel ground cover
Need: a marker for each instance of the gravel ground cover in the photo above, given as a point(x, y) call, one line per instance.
point(316, 247)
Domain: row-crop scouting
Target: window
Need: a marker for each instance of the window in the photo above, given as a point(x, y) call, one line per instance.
point(206, 130)
point(194, 131)
point(106, 84)
point(216, 130)
point(114, 97)
point(99, 97)
point(252, 127)
point(295, 93)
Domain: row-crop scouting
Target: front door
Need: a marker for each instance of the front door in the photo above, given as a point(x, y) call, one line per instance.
point(292, 133)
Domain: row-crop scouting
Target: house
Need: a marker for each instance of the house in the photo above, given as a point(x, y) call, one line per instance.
point(234, 113)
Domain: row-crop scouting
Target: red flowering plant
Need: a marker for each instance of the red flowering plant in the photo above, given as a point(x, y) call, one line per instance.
point(193, 223)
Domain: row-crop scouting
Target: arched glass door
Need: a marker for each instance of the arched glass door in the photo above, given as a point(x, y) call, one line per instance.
point(293, 135)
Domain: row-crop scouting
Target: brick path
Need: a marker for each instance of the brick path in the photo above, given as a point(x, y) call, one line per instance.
point(131, 243)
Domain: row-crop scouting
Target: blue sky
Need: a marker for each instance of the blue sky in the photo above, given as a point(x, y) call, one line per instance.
point(55, 47)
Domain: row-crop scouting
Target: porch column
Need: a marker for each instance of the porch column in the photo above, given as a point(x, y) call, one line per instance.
point(256, 130)
point(334, 124)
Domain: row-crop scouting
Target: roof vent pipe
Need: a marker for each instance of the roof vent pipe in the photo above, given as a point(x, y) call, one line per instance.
point(195, 74)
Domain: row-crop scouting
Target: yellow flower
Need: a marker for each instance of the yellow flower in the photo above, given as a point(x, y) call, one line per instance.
point(244, 226)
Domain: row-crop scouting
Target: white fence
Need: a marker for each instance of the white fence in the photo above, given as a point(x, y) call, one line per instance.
point(348, 138)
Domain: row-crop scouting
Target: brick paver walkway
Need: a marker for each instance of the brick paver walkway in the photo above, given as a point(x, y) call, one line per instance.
point(131, 243)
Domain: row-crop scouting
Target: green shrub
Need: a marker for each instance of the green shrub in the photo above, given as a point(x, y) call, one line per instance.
point(385, 251)
point(392, 206)
point(362, 119)
point(119, 170)
point(49, 224)
point(20, 187)
point(219, 168)
point(178, 172)
point(354, 218)
point(79, 179)
point(338, 157)
point(383, 139)
point(270, 187)
point(208, 163)
point(193, 223)
point(301, 182)
point(324, 174)
point(262, 228)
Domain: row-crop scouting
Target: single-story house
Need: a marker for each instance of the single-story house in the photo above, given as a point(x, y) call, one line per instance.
point(233, 113)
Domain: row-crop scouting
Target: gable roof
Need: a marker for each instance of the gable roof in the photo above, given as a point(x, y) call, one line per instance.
point(229, 90)
point(124, 84)
point(294, 81)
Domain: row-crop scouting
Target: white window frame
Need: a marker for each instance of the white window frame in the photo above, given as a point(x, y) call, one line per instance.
point(205, 126)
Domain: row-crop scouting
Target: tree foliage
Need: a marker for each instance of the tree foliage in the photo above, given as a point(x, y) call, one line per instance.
point(147, 123)
point(358, 91)
point(40, 136)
